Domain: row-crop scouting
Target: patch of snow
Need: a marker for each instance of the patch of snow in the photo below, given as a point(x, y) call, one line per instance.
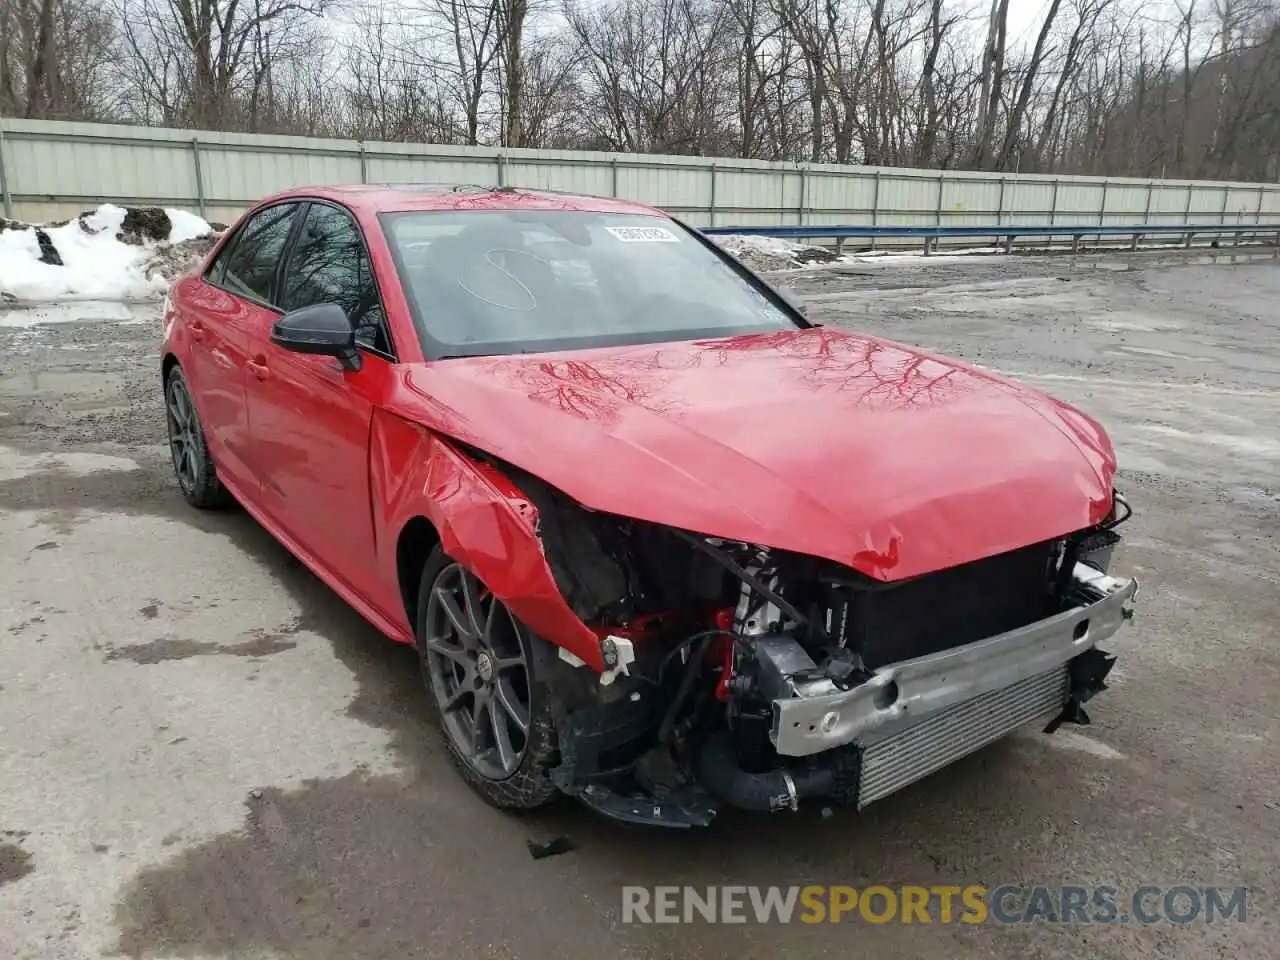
point(186, 226)
point(17, 247)
point(1079, 743)
point(898, 257)
point(777, 253)
point(771, 246)
point(96, 263)
point(772, 253)
point(1249, 446)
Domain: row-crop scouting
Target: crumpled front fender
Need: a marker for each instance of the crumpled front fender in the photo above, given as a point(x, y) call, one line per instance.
point(484, 521)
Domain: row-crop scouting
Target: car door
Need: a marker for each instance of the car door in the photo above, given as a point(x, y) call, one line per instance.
point(220, 311)
point(309, 416)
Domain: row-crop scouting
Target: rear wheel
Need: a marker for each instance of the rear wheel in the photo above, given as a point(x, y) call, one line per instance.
point(480, 667)
point(192, 464)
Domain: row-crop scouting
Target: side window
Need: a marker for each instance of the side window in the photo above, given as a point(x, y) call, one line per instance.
point(329, 264)
point(249, 264)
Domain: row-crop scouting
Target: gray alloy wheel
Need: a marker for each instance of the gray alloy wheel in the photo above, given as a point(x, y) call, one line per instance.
point(477, 664)
point(192, 464)
point(182, 434)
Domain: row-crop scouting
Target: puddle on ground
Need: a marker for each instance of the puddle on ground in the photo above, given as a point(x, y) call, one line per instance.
point(77, 311)
point(15, 863)
point(83, 388)
point(1087, 261)
point(172, 648)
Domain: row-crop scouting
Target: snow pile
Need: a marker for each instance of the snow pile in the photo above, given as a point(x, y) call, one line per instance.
point(909, 256)
point(111, 253)
point(772, 253)
point(775, 253)
point(186, 226)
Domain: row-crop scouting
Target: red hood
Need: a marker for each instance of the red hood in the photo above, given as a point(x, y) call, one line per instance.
point(860, 450)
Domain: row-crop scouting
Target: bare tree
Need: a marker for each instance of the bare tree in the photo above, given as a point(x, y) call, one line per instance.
point(472, 31)
point(652, 73)
point(1187, 88)
point(55, 58)
point(203, 62)
point(512, 16)
point(993, 55)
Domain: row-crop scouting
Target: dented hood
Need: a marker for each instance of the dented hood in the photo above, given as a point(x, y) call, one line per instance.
point(863, 451)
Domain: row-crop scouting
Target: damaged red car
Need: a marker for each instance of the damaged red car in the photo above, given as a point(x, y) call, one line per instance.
point(661, 543)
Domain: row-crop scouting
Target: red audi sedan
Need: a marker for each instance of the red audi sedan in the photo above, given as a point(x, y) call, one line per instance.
point(661, 542)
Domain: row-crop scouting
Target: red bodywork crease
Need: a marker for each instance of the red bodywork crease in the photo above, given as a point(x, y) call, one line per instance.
point(483, 520)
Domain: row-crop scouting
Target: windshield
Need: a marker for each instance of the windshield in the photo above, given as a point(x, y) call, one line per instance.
point(515, 281)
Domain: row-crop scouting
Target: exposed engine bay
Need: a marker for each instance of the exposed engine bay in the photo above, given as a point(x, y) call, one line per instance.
point(743, 676)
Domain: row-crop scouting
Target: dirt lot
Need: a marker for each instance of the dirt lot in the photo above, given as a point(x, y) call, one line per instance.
point(203, 753)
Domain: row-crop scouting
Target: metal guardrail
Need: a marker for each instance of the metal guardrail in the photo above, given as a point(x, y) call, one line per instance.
point(1007, 233)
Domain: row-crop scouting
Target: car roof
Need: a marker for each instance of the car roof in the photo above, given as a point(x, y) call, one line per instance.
point(386, 198)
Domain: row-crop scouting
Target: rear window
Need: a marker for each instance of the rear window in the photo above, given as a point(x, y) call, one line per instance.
point(523, 281)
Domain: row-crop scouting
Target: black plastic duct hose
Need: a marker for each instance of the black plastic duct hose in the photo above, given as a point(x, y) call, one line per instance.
point(717, 769)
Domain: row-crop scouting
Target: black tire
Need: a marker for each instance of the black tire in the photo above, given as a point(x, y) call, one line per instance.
point(521, 783)
point(192, 465)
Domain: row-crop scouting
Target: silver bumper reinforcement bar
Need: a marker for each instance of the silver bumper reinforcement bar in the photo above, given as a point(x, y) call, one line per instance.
point(900, 694)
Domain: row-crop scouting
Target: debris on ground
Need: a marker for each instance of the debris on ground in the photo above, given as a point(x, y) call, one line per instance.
point(111, 253)
point(552, 848)
point(168, 261)
point(141, 224)
point(48, 252)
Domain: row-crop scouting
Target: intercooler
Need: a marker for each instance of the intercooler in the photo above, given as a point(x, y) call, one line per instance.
point(899, 757)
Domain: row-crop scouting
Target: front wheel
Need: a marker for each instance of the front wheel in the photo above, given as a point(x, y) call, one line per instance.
point(480, 667)
point(192, 464)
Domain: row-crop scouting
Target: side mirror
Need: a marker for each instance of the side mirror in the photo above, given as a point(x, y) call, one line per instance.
point(794, 300)
point(323, 329)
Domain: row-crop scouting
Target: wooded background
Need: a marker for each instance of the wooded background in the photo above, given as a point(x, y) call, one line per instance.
point(1148, 88)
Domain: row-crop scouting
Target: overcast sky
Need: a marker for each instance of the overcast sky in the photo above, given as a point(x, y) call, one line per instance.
point(1025, 17)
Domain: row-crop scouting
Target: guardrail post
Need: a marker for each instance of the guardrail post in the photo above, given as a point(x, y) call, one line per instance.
point(195, 159)
point(711, 207)
point(1075, 243)
point(7, 197)
point(364, 164)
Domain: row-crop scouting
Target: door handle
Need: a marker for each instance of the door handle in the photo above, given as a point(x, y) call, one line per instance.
point(258, 367)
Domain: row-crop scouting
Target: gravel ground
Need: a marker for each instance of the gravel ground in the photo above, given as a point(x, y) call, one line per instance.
point(204, 753)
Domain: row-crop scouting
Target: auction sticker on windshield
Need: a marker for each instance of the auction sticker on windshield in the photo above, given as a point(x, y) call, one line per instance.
point(644, 234)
